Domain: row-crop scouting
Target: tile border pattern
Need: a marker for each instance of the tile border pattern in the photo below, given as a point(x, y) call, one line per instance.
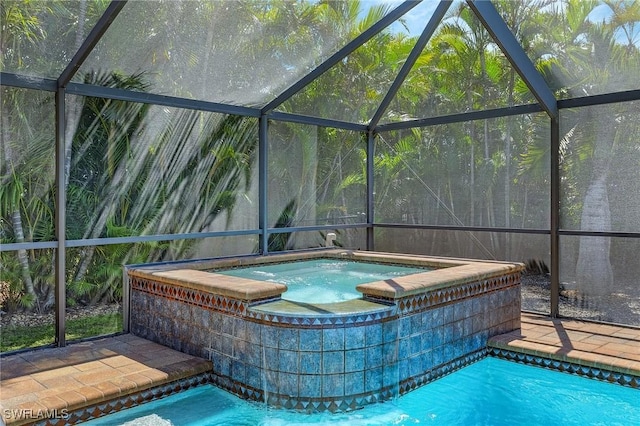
point(444, 296)
point(128, 401)
point(155, 393)
point(194, 297)
point(627, 380)
point(399, 307)
point(324, 321)
point(442, 370)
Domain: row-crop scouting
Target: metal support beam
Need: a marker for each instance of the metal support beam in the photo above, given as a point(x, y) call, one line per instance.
point(263, 135)
point(27, 82)
point(60, 225)
point(462, 117)
point(555, 217)
point(92, 39)
point(316, 121)
point(606, 98)
point(433, 23)
point(154, 99)
point(341, 54)
point(504, 38)
point(370, 189)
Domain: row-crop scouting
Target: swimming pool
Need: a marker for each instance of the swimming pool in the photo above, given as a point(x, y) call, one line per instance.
point(325, 280)
point(489, 392)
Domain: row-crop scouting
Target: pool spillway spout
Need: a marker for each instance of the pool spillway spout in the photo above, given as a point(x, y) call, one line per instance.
point(331, 236)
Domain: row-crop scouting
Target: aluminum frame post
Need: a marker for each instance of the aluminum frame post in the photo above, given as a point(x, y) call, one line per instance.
point(263, 206)
point(555, 218)
point(370, 189)
point(60, 225)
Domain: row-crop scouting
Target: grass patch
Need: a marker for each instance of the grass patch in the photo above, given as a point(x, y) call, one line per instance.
point(21, 337)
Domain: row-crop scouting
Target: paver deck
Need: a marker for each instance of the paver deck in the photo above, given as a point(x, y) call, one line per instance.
point(54, 382)
point(603, 346)
point(49, 381)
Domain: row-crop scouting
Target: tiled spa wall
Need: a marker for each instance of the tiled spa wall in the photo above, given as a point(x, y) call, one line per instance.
point(328, 362)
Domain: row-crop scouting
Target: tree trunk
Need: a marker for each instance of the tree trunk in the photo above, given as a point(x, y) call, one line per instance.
point(16, 217)
point(594, 274)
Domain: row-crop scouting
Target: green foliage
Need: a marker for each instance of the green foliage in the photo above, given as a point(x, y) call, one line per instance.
point(280, 241)
point(14, 338)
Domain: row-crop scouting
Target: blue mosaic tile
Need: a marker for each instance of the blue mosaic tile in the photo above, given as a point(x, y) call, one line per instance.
point(253, 354)
point(438, 355)
point(354, 383)
point(310, 362)
point(289, 338)
point(449, 334)
point(415, 365)
point(333, 362)
point(354, 338)
point(333, 339)
point(404, 348)
point(239, 348)
point(310, 340)
point(373, 334)
point(288, 383)
point(333, 385)
point(390, 331)
point(318, 334)
point(253, 376)
point(253, 332)
point(415, 344)
point(226, 345)
point(354, 360)
point(310, 386)
point(226, 326)
point(270, 358)
point(390, 375)
point(269, 336)
point(448, 350)
point(289, 361)
point(426, 358)
point(390, 353)
point(404, 327)
point(373, 379)
point(221, 364)
point(270, 380)
point(373, 356)
point(238, 371)
point(447, 315)
point(426, 340)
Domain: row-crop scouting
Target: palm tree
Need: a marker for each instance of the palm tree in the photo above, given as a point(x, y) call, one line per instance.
point(597, 59)
point(21, 28)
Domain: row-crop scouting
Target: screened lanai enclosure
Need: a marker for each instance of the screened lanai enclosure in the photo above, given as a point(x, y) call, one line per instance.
point(154, 131)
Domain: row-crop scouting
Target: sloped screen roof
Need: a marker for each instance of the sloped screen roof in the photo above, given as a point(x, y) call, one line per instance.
point(232, 52)
point(336, 60)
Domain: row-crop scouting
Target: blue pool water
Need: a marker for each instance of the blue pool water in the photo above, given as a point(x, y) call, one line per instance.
point(489, 392)
point(322, 280)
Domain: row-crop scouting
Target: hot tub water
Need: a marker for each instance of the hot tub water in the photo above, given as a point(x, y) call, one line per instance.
point(322, 280)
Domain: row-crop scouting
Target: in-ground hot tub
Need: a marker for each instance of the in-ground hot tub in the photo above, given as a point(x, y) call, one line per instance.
point(403, 332)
